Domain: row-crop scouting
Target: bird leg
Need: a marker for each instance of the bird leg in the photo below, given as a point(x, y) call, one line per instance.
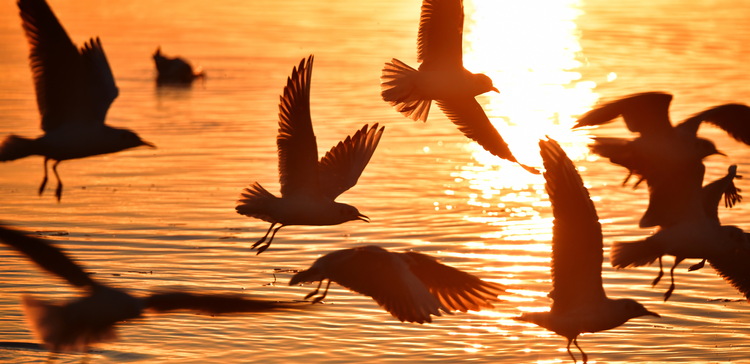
point(658, 276)
point(267, 244)
point(58, 190)
point(697, 266)
point(671, 274)
point(315, 291)
point(44, 180)
point(321, 297)
point(571, 353)
point(585, 357)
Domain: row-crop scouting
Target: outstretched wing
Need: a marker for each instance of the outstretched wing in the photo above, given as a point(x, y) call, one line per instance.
point(340, 168)
point(735, 270)
point(46, 256)
point(732, 118)
point(209, 303)
point(71, 86)
point(577, 235)
point(456, 290)
point(439, 43)
point(712, 193)
point(298, 150)
point(471, 120)
point(646, 113)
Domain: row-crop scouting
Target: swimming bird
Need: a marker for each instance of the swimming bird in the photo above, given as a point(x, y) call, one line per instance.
point(308, 186)
point(411, 286)
point(174, 70)
point(82, 322)
point(74, 89)
point(664, 153)
point(699, 235)
point(443, 78)
point(579, 303)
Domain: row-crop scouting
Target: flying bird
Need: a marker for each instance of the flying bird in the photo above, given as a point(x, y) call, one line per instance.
point(411, 286)
point(174, 70)
point(443, 78)
point(579, 303)
point(74, 89)
point(308, 187)
point(82, 322)
point(663, 153)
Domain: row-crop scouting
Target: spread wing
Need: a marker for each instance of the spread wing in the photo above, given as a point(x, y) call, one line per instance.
point(208, 303)
point(439, 43)
point(298, 150)
point(712, 193)
point(71, 86)
point(456, 290)
point(732, 118)
point(46, 256)
point(340, 168)
point(646, 113)
point(471, 120)
point(734, 268)
point(577, 235)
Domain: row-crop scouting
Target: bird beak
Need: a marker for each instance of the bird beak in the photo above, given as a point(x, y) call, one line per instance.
point(148, 144)
point(720, 153)
point(363, 218)
point(495, 89)
point(651, 313)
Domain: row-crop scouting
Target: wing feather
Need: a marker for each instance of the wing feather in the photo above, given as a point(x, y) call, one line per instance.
point(439, 42)
point(340, 168)
point(646, 113)
point(732, 118)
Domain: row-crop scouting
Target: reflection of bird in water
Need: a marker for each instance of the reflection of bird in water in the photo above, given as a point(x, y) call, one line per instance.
point(664, 153)
point(698, 235)
point(411, 286)
point(579, 302)
point(175, 71)
point(75, 325)
point(442, 77)
point(308, 186)
point(74, 90)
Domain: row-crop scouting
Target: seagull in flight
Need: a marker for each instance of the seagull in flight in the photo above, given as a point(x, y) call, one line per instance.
point(308, 186)
point(82, 322)
point(411, 286)
point(663, 153)
point(579, 303)
point(443, 78)
point(74, 89)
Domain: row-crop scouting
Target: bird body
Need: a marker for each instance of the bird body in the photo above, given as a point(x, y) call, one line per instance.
point(174, 70)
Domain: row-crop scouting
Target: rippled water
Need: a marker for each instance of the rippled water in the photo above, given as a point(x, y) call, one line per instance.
point(151, 219)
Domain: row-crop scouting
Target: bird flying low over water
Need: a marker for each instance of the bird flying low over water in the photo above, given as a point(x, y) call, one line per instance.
point(410, 285)
point(579, 303)
point(443, 78)
point(308, 186)
point(698, 235)
point(74, 89)
point(174, 70)
point(77, 324)
point(664, 153)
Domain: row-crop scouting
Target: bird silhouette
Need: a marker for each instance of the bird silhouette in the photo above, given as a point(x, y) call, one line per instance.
point(579, 303)
point(443, 78)
point(74, 89)
point(174, 70)
point(664, 153)
point(308, 186)
point(91, 319)
point(699, 235)
point(411, 286)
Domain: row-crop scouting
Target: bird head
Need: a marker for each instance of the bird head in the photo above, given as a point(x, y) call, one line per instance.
point(125, 139)
point(705, 147)
point(349, 213)
point(630, 308)
point(482, 83)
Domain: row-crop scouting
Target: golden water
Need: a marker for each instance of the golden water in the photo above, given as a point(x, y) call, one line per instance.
point(152, 219)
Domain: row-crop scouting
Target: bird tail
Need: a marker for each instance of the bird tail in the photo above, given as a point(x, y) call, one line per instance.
point(310, 275)
point(634, 254)
point(398, 88)
point(255, 202)
point(15, 147)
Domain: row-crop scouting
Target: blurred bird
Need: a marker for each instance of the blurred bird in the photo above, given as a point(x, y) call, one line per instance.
point(174, 71)
point(411, 286)
point(663, 153)
point(80, 323)
point(699, 235)
point(308, 186)
point(443, 78)
point(74, 89)
point(579, 302)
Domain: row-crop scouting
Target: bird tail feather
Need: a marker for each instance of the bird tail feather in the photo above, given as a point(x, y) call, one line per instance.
point(255, 202)
point(15, 147)
point(634, 254)
point(398, 88)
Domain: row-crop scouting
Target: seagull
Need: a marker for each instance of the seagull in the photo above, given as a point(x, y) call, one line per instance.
point(664, 153)
point(175, 71)
point(74, 89)
point(411, 286)
point(443, 78)
point(699, 235)
point(308, 186)
point(82, 322)
point(579, 301)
